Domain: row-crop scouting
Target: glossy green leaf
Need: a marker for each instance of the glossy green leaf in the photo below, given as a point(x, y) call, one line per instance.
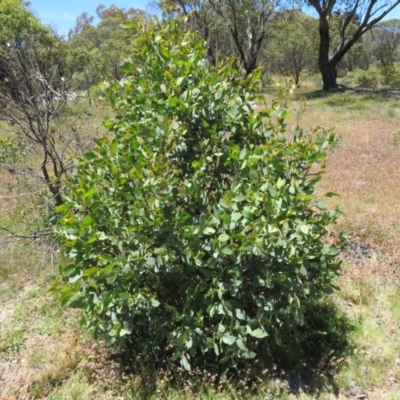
point(227, 251)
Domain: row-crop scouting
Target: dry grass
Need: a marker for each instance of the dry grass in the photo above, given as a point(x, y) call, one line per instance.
point(45, 355)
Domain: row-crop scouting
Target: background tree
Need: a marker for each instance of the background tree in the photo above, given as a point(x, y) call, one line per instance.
point(248, 23)
point(355, 57)
point(386, 41)
point(97, 51)
point(17, 21)
point(34, 84)
point(367, 14)
point(359, 56)
point(295, 55)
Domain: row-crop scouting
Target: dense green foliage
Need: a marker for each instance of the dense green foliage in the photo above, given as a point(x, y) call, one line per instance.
point(16, 21)
point(192, 231)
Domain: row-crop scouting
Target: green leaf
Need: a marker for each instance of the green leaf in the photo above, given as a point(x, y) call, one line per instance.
point(92, 239)
point(108, 123)
point(240, 314)
point(154, 302)
point(280, 183)
point(239, 198)
point(320, 205)
point(112, 278)
point(259, 333)
point(124, 332)
point(331, 194)
point(114, 147)
point(209, 231)
point(228, 339)
point(247, 212)
point(61, 208)
point(331, 251)
point(185, 363)
point(216, 349)
point(253, 175)
point(241, 345)
point(236, 216)
point(151, 261)
point(227, 251)
point(223, 238)
point(281, 137)
point(272, 191)
point(91, 271)
point(174, 101)
point(75, 275)
point(90, 193)
point(303, 270)
point(126, 67)
point(334, 251)
point(128, 25)
point(305, 229)
point(224, 203)
point(221, 328)
point(76, 301)
point(328, 290)
point(87, 220)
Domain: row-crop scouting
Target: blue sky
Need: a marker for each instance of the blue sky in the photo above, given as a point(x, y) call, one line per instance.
point(62, 14)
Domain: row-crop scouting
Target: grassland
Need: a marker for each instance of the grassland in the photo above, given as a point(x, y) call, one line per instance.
point(45, 354)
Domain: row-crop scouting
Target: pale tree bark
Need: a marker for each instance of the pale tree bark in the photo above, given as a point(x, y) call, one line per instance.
point(250, 22)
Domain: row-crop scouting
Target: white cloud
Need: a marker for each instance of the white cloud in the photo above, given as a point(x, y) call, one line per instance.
point(65, 16)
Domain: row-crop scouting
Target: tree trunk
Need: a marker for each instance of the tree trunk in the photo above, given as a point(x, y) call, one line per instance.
point(327, 68)
point(329, 75)
point(250, 64)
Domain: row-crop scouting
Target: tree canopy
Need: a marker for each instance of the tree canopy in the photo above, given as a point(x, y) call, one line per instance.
point(97, 51)
point(16, 20)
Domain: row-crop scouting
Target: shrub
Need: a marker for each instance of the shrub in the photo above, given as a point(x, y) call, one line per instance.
point(12, 150)
point(368, 79)
point(391, 77)
point(192, 230)
point(395, 135)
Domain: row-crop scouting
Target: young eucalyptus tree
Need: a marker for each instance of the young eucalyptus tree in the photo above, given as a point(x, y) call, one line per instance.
point(366, 13)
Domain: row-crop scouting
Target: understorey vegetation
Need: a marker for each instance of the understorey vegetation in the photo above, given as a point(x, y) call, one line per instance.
point(191, 232)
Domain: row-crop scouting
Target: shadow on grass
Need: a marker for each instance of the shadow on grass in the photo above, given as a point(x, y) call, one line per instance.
point(381, 95)
point(304, 358)
point(312, 354)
